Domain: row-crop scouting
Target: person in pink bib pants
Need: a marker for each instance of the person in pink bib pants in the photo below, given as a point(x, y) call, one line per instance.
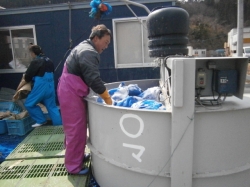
point(81, 73)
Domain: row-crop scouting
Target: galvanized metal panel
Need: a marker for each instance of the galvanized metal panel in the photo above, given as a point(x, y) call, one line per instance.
point(52, 32)
point(74, 5)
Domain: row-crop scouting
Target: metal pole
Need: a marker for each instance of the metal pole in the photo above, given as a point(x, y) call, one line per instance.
point(70, 39)
point(240, 19)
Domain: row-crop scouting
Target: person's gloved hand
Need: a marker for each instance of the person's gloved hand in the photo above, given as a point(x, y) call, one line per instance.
point(100, 100)
point(114, 102)
point(106, 97)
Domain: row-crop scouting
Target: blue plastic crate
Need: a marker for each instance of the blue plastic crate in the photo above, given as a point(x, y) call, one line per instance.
point(20, 127)
point(3, 127)
point(10, 106)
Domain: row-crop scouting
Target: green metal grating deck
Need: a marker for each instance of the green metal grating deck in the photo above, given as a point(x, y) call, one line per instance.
point(47, 130)
point(42, 142)
point(48, 172)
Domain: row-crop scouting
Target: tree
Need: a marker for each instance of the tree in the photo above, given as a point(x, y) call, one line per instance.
point(206, 33)
point(211, 20)
point(205, 30)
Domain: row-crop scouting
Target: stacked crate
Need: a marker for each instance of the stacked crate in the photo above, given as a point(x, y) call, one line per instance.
point(4, 107)
point(18, 127)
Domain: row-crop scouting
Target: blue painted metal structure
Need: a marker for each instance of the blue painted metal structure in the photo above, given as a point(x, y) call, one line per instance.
point(53, 35)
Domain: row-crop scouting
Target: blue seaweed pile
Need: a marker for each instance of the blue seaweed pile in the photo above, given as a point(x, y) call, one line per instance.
point(132, 96)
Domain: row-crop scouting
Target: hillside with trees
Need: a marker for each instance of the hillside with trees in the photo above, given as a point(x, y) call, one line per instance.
point(211, 20)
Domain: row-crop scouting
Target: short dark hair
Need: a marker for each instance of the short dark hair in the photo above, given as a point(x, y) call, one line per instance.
point(36, 49)
point(100, 31)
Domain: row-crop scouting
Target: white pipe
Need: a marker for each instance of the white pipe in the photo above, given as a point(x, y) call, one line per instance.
point(137, 4)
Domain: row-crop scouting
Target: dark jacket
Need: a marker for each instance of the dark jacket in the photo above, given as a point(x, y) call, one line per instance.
point(38, 67)
point(84, 61)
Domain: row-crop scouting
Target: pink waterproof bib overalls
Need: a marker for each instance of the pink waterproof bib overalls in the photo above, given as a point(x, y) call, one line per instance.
point(71, 91)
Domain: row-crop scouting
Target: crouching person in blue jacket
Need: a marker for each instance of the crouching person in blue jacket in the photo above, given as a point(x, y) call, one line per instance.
point(41, 73)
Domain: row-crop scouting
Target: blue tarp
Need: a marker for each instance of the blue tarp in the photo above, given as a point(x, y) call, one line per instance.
point(134, 97)
point(8, 143)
